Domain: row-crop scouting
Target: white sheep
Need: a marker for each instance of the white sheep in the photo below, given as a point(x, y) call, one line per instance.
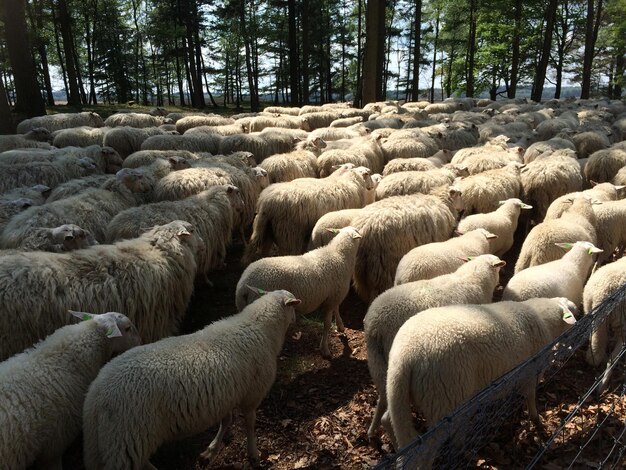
point(82, 136)
point(147, 157)
point(261, 145)
point(55, 122)
point(439, 258)
point(191, 142)
point(564, 277)
point(601, 192)
point(315, 120)
point(501, 222)
point(227, 129)
point(604, 165)
point(126, 140)
point(409, 143)
point(35, 138)
point(610, 223)
point(483, 192)
point(258, 123)
point(66, 237)
point(138, 120)
point(409, 164)
point(37, 288)
point(412, 182)
point(443, 356)
point(106, 158)
point(473, 282)
point(321, 278)
point(590, 142)
point(77, 186)
point(300, 163)
point(188, 122)
point(42, 390)
point(601, 285)
point(287, 212)
point(539, 148)
point(324, 230)
point(204, 376)
point(576, 223)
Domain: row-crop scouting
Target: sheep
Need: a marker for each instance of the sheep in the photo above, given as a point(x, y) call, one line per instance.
point(443, 356)
point(106, 159)
point(444, 107)
point(211, 212)
point(346, 121)
point(11, 207)
point(37, 194)
point(362, 152)
point(188, 122)
point(56, 122)
point(604, 165)
point(590, 142)
point(258, 144)
point(259, 123)
point(82, 136)
point(482, 192)
point(91, 209)
point(563, 277)
point(453, 137)
point(42, 390)
point(602, 284)
point(324, 230)
point(552, 127)
point(38, 137)
point(286, 212)
point(315, 120)
point(602, 192)
point(191, 142)
point(576, 223)
point(472, 282)
point(494, 155)
point(538, 148)
point(409, 164)
point(291, 111)
point(37, 288)
point(204, 376)
point(147, 157)
point(223, 130)
point(50, 174)
point(66, 237)
point(439, 258)
point(301, 163)
point(408, 144)
point(77, 186)
point(393, 123)
point(338, 133)
point(392, 227)
point(321, 278)
point(137, 120)
point(548, 177)
point(611, 220)
point(126, 140)
point(412, 182)
point(501, 222)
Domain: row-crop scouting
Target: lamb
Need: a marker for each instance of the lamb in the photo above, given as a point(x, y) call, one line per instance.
point(286, 212)
point(321, 278)
point(601, 285)
point(301, 163)
point(228, 364)
point(564, 277)
point(37, 288)
point(412, 182)
point(106, 159)
point(49, 174)
point(82, 136)
point(137, 120)
point(576, 223)
point(212, 213)
point(392, 227)
point(42, 389)
point(547, 178)
point(482, 192)
point(92, 210)
point(472, 282)
point(501, 222)
point(188, 122)
point(604, 165)
point(443, 356)
point(55, 122)
point(38, 137)
point(409, 164)
point(439, 258)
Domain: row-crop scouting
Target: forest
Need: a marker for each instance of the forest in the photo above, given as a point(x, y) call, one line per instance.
point(242, 52)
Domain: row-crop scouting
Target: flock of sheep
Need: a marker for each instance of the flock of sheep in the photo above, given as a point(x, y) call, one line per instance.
point(413, 205)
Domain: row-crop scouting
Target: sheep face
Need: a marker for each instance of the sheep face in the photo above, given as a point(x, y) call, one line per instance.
point(236, 201)
point(121, 332)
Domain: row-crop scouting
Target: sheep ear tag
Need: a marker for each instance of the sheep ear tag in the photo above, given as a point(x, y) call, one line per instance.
point(568, 317)
point(256, 290)
point(82, 315)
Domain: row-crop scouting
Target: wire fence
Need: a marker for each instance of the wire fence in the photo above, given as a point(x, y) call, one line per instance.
point(592, 427)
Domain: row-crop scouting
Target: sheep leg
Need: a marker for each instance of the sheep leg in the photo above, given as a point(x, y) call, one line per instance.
point(214, 447)
point(531, 404)
point(386, 422)
point(381, 407)
point(253, 452)
point(328, 317)
point(339, 321)
point(608, 371)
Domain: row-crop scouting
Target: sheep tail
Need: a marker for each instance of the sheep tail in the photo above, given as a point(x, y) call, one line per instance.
point(596, 354)
point(259, 241)
point(399, 402)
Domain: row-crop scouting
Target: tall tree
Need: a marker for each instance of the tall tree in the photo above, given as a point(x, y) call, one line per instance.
point(373, 62)
point(29, 100)
point(591, 35)
point(417, 51)
point(293, 52)
point(542, 67)
point(65, 24)
point(515, 50)
point(7, 126)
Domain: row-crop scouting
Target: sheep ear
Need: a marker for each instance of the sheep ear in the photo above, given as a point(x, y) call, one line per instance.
point(594, 249)
point(490, 236)
point(499, 264)
point(255, 290)
point(567, 246)
point(82, 315)
point(106, 322)
point(593, 183)
point(183, 233)
point(568, 315)
point(458, 233)
point(465, 258)
point(526, 206)
point(292, 302)
point(333, 230)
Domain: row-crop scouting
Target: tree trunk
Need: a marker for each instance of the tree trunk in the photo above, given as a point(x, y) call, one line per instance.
point(432, 81)
point(293, 52)
point(358, 98)
point(515, 50)
point(68, 51)
point(36, 23)
point(618, 75)
point(305, 52)
point(29, 100)
point(542, 66)
point(471, 51)
point(374, 51)
point(7, 126)
point(417, 52)
point(254, 97)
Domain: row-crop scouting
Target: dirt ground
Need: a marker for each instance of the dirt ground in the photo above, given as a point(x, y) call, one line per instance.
point(316, 414)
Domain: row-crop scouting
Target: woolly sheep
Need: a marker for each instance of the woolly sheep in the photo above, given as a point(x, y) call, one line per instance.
point(601, 192)
point(472, 282)
point(259, 123)
point(55, 122)
point(37, 194)
point(66, 237)
point(408, 143)
point(409, 164)
point(300, 163)
point(393, 123)
point(82, 136)
point(610, 223)
point(126, 140)
point(548, 177)
point(292, 111)
point(552, 127)
point(227, 129)
point(77, 186)
point(42, 390)
point(482, 192)
point(137, 120)
point(439, 258)
point(188, 122)
point(412, 182)
point(538, 148)
point(601, 285)
point(50, 174)
point(564, 277)
point(346, 121)
point(590, 142)
point(576, 223)
point(204, 375)
point(106, 158)
point(494, 155)
point(35, 138)
point(286, 212)
point(321, 278)
point(258, 144)
point(315, 120)
point(99, 278)
point(604, 165)
point(323, 231)
point(392, 227)
point(147, 157)
point(444, 107)
point(337, 133)
point(501, 222)
point(362, 152)
point(191, 142)
point(211, 212)
point(92, 210)
point(443, 356)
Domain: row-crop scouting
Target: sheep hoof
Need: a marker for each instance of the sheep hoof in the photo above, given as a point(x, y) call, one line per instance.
point(208, 455)
point(375, 442)
point(326, 354)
